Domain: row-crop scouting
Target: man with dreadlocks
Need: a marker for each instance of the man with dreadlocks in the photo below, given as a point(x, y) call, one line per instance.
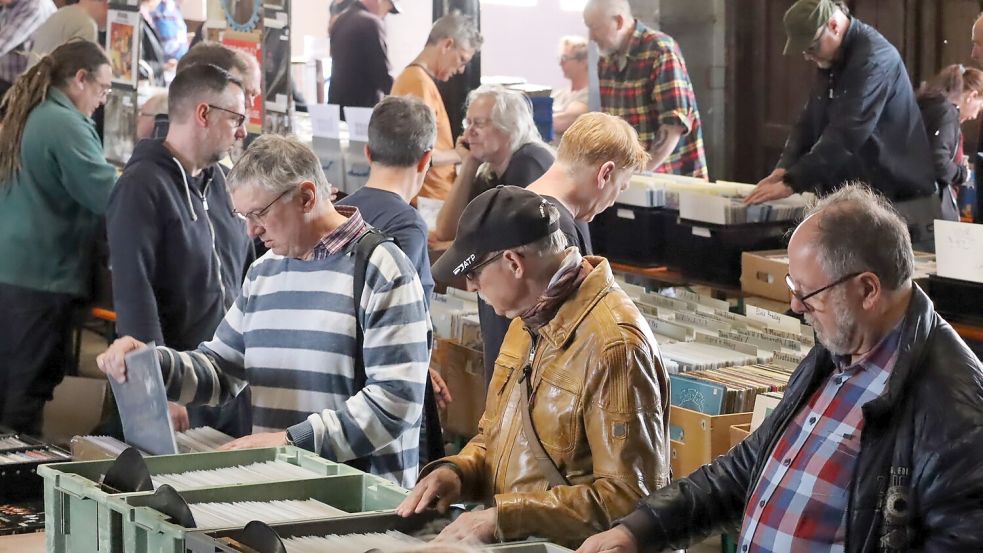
point(54, 184)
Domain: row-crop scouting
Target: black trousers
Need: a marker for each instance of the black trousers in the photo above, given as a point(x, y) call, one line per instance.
point(35, 351)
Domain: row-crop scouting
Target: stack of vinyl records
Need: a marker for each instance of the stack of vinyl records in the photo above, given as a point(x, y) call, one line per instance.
point(389, 542)
point(195, 440)
point(731, 210)
point(237, 514)
point(455, 317)
point(21, 518)
point(255, 473)
point(727, 390)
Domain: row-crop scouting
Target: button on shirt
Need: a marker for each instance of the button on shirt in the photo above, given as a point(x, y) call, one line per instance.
point(800, 501)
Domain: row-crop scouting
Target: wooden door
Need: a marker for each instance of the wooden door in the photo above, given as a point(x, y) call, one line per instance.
point(767, 90)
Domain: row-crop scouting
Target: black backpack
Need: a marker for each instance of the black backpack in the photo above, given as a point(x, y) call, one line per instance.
point(431, 436)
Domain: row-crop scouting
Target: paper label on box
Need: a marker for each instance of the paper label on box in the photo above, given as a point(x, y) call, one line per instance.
point(773, 320)
point(358, 123)
point(701, 231)
point(626, 214)
point(325, 120)
point(959, 250)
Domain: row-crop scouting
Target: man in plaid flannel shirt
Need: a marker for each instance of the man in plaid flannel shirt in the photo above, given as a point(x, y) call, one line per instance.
point(877, 443)
point(643, 80)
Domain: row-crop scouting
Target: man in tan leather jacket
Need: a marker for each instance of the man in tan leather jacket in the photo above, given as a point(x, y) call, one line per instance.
point(583, 358)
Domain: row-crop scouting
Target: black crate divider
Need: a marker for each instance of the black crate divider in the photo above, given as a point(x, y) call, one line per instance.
point(633, 235)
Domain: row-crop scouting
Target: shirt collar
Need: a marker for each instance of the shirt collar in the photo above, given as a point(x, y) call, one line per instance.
point(336, 240)
point(875, 358)
point(620, 59)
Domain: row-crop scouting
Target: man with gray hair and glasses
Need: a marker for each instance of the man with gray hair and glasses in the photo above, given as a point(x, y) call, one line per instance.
point(878, 441)
point(454, 39)
point(341, 366)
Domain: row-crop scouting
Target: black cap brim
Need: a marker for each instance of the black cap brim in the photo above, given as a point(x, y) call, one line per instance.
point(454, 262)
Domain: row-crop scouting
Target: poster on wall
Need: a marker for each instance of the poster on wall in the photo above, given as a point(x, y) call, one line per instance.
point(122, 34)
point(276, 62)
point(250, 44)
point(120, 125)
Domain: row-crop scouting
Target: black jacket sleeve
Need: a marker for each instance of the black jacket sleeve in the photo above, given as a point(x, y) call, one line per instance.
point(134, 232)
point(942, 125)
point(861, 95)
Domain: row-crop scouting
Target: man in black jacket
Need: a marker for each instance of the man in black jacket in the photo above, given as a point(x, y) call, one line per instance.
point(877, 444)
point(861, 121)
point(359, 55)
point(177, 248)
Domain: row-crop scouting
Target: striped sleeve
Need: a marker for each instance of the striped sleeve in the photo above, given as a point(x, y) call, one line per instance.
point(214, 372)
point(396, 354)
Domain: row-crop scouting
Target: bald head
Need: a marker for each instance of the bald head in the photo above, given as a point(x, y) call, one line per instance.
point(977, 52)
point(609, 24)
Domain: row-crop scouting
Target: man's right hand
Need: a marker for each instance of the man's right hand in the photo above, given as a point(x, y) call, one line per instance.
point(615, 540)
point(775, 176)
point(442, 486)
point(461, 148)
point(440, 391)
point(111, 361)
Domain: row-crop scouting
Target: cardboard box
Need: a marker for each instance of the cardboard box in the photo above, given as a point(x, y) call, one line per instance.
point(738, 433)
point(462, 368)
point(704, 438)
point(763, 274)
point(959, 250)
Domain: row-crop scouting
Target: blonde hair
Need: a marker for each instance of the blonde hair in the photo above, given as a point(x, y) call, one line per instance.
point(576, 43)
point(596, 138)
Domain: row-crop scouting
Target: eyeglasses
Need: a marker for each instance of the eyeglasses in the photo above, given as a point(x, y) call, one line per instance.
point(475, 271)
point(476, 124)
point(104, 88)
point(240, 117)
point(256, 216)
point(803, 297)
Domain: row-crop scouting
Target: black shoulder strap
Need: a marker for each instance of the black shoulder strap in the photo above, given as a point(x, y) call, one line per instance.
point(364, 247)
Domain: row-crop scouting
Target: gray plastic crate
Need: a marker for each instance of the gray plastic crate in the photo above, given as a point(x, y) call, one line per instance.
point(79, 518)
point(146, 530)
point(227, 541)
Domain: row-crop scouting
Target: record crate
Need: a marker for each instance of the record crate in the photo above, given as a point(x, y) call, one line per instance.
point(712, 253)
point(153, 525)
point(80, 519)
point(632, 234)
point(258, 538)
point(20, 458)
point(703, 438)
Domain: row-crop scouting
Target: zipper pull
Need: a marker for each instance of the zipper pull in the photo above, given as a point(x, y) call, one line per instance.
point(526, 373)
point(204, 202)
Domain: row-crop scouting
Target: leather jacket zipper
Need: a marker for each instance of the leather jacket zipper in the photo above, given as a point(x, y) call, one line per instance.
point(526, 374)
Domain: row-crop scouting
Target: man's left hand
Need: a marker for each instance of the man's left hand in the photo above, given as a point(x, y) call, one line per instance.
point(476, 525)
point(265, 439)
point(767, 191)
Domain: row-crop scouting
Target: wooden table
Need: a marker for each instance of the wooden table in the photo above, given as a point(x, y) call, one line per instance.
point(22, 543)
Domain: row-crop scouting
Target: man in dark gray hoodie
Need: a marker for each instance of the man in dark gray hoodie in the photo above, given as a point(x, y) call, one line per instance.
point(177, 247)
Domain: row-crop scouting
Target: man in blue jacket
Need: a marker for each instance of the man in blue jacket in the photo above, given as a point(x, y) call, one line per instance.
point(177, 248)
point(861, 122)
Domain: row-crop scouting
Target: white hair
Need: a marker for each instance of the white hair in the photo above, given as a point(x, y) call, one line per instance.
point(511, 113)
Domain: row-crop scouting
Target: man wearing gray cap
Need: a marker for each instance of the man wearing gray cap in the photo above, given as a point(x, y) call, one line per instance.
point(861, 122)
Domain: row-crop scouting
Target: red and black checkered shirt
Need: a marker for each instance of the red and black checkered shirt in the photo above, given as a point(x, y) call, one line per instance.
point(648, 86)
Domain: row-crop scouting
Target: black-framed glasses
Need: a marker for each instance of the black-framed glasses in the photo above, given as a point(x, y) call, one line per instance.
point(256, 216)
point(803, 297)
point(472, 275)
point(240, 117)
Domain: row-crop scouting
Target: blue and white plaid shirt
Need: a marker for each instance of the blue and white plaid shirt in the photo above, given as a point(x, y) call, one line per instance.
point(18, 21)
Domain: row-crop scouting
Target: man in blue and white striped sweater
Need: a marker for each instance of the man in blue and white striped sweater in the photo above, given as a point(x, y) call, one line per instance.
point(291, 333)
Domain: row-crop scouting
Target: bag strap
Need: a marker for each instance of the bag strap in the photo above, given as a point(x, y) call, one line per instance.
point(364, 247)
point(546, 464)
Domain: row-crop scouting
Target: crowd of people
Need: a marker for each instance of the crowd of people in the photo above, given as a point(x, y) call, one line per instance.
point(290, 317)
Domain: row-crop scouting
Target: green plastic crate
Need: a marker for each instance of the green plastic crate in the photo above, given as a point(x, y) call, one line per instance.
point(79, 518)
point(146, 530)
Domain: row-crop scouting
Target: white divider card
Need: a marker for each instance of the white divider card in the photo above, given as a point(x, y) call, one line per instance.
point(326, 120)
point(255, 473)
point(358, 123)
point(774, 320)
point(210, 516)
point(352, 543)
point(142, 403)
point(959, 250)
point(702, 300)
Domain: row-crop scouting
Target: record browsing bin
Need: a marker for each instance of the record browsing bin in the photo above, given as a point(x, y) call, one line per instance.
point(704, 438)
point(79, 517)
point(147, 530)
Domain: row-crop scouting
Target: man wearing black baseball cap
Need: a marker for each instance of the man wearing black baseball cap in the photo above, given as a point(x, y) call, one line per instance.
point(861, 122)
point(575, 424)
